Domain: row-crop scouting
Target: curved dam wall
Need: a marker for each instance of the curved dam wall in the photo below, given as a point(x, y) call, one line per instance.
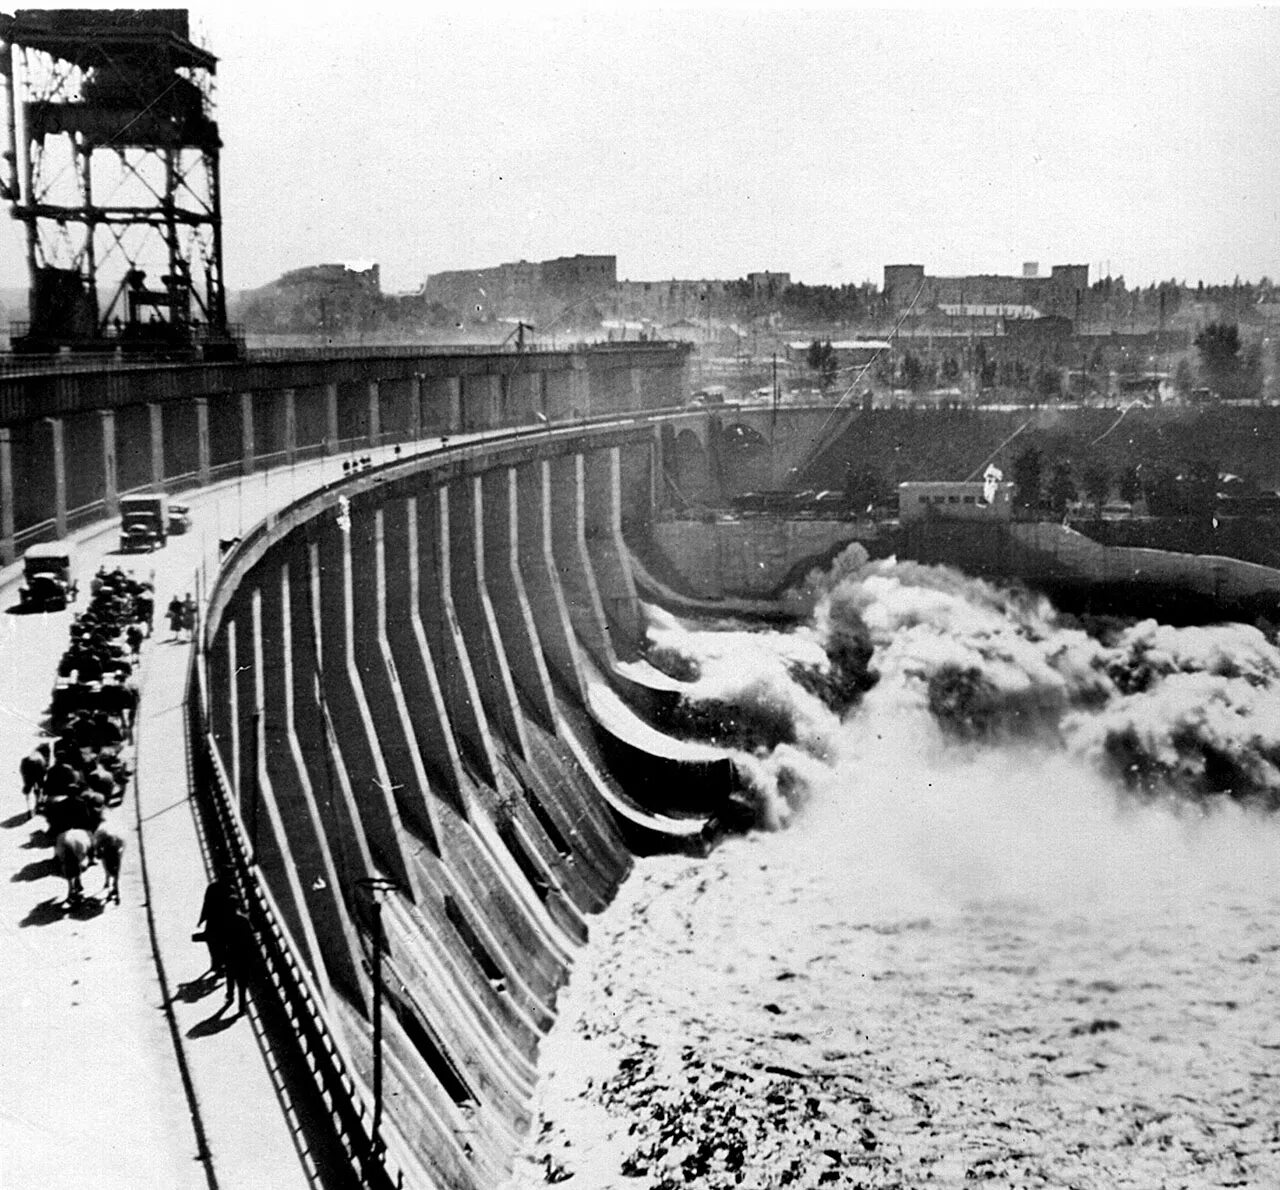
point(431, 747)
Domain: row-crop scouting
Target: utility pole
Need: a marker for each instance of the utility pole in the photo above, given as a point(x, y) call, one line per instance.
point(376, 886)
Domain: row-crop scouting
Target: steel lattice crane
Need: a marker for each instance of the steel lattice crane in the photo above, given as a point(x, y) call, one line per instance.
point(112, 166)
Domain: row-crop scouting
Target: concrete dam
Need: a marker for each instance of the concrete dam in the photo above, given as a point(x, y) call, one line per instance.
point(426, 680)
point(423, 738)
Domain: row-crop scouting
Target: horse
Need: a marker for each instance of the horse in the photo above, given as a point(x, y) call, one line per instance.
point(33, 768)
point(71, 851)
point(110, 848)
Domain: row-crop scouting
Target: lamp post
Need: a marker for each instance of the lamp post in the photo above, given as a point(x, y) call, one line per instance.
point(376, 886)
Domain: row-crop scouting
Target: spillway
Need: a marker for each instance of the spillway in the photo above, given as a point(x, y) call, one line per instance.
point(427, 732)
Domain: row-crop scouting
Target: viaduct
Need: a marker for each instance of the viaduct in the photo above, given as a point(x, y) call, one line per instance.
point(423, 732)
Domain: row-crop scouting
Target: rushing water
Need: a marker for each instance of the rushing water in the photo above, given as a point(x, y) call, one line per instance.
point(1015, 919)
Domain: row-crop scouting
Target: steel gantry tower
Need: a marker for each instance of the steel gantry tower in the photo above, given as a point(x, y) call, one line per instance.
point(112, 167)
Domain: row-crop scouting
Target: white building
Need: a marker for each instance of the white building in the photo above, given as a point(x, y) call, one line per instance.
point(964, 500)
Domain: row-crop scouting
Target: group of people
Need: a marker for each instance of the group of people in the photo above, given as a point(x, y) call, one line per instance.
point(182, 617)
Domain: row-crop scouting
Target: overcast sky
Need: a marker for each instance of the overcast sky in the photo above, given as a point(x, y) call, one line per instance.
point(699, 143)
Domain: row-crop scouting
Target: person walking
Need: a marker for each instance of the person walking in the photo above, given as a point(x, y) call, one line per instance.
point(189, 616)
point(219, 899)
point(174, 616)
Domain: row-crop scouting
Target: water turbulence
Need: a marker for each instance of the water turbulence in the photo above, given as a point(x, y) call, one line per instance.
point(1018, 923)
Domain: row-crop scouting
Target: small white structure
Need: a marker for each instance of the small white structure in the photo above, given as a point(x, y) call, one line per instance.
point(964, 500)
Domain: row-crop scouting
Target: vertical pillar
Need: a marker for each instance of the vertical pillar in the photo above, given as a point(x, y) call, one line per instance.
point(375, 415)
point(202, 440)
point(110, 477)
point(453, 395)
point(415, 406)
point(59, 476)
point(6, 497)
point(539, 394)
point(157, 443)
point(331, 444)
point(290, 398)
point(602, 522)
point(579, 391)
point(248, 450)
point(637, 388)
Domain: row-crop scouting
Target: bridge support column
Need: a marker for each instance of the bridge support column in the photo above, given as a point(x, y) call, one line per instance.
point(375, 414)
point(156, 412)
point(453, 398)
point(262, 815)
point(331, 444)
point(412, 656)
point(110, 480)
point(579, 390)
point(602, 516)
point(501, 504)
point(440, 619)
point(574, 562)
point(637, 387)
point(541, 575)
point(202, 440)
point(248, 448)
point(478, 620)
point(59, 442)
point(7, 548)
point(415, 406)
point(357, 754)
point(289, 397)
point(290, 734)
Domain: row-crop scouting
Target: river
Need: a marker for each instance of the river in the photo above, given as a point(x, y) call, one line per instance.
point(1010, 916)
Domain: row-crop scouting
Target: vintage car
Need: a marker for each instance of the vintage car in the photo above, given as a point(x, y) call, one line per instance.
point(144, 522)
point(179, 519)
point(47, 584)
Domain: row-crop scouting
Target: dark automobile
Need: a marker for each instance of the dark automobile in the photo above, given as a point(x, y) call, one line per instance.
point(144, 522)
point(48, 584)
point(179, 519)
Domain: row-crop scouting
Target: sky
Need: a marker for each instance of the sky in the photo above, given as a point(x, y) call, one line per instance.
point(700, 142)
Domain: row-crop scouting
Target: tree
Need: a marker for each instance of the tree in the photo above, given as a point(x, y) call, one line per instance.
point(1183, 381)
point(1097, 485)
point(1062, 488)
point(1200, 488)
point(822, 359)
point(1028, 470)
point(1048, 382)
point(984, 367)
point(1162, 491)
point(913, 374)
point(1219, 347)
point(1248, 385)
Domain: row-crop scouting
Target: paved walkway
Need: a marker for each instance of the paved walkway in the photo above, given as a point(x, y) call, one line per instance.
point(117, 1070)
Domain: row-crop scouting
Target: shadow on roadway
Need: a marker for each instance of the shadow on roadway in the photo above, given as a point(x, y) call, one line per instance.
point(51, 912)
point(214, 1024)
point(37, 869)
